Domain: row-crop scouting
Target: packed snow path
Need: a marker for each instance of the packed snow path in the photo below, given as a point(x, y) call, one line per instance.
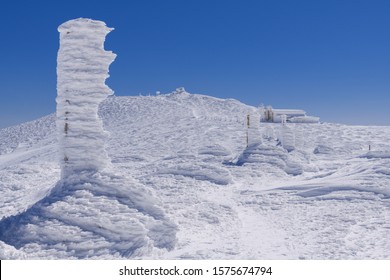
point(328, 198)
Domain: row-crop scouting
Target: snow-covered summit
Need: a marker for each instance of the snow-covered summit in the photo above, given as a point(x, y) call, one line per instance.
point(311, 191)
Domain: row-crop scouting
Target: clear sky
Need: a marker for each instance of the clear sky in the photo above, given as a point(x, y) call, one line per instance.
point(330, 57)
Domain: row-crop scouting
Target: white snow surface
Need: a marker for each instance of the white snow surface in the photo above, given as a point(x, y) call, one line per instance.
point(304, 191)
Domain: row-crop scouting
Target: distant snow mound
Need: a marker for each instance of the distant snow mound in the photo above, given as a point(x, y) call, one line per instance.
point(376, 154)
point(26, 134)
point(323, 149)
point(268, 154)
point(98, 214)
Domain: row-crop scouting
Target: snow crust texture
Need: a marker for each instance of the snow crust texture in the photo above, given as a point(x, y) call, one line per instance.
point(91, 216)
point(186, 186)
point(82, 68)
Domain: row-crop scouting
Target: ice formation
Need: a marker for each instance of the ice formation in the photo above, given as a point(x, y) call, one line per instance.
point(82, 68)
point(90, 212)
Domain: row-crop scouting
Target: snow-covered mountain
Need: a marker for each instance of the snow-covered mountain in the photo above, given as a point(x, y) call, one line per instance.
point(184, 184)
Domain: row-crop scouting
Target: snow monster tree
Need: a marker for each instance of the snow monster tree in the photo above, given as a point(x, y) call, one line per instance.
point(82, 68)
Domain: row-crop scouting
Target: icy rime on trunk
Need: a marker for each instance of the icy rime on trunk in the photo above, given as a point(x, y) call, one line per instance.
point(82, 68)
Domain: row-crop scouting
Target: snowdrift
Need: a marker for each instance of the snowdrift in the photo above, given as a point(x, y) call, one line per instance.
point(261, 154)
point(377, 154)
point(319, 193)
point(89, 216)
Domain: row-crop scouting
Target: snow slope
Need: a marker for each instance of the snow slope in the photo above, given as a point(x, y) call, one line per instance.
point(305, 191)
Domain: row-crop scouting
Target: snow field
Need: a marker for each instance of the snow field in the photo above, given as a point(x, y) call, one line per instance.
point(327, 198)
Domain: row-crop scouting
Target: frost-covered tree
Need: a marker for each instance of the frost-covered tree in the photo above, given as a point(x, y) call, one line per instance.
point(82, 68)
point(90, 213)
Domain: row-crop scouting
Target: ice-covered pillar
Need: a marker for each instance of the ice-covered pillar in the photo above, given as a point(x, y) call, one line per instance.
point(82, 68)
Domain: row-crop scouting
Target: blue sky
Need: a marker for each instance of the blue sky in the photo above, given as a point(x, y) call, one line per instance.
point(330, 58)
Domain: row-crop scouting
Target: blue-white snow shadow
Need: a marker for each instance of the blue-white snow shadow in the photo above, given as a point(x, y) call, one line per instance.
point(259, 153)
point(92, 215)
point(311, 191)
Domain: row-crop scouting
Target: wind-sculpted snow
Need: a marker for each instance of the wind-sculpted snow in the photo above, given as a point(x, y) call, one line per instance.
point(82, 68)
point(202, 172)
point(377, 154)
point(327, 198)
point(10, 252)
point(277, 157)
point(92, 215)
point(90, 212)
point(287, 138)
point(27, 134)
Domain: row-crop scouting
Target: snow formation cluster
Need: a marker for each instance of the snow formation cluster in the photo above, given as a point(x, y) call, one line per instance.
point(82, 68)
point(298, 191)
point(90, 212)
point(234, 190)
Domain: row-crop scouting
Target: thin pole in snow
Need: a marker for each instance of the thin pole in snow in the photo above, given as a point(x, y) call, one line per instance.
point(247, 129)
